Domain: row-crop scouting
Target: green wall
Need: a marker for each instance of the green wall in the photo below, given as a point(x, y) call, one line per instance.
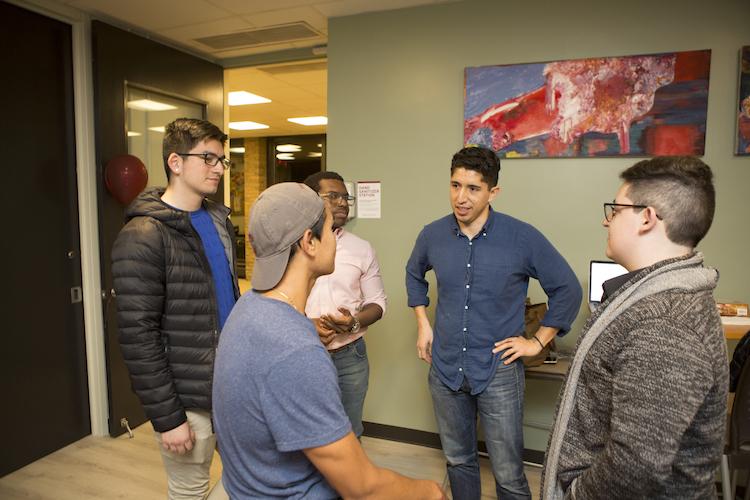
point(395, 106)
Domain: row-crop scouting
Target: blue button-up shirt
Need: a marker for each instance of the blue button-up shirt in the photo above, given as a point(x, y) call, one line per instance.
point(482, 285)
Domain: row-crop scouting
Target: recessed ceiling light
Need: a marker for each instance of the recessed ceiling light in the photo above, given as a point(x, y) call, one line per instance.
point(237, 150)
point(241, 97)
point(149, 105)
point(288, 148)
point(157, 129)
point(310, 120)
point(315, 154)
point(133, 134)
point(285, 156)
point(320, 145)
point(246, 125)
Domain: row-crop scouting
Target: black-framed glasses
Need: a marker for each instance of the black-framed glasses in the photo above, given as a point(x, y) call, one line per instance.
point(610, 212)
point(334, 197)
point(211, 159)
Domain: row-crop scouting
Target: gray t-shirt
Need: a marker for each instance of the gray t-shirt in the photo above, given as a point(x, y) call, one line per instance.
point(275, 393)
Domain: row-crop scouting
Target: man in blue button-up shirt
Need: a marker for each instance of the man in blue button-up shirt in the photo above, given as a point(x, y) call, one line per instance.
point(483, 261)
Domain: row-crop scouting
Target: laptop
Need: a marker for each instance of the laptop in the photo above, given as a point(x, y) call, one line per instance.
point(599, 272)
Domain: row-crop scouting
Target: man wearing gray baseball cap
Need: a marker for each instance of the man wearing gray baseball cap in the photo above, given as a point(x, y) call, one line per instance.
point(281, 427)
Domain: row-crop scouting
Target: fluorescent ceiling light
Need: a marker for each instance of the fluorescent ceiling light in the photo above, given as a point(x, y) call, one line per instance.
point(133, 134)
point(237, 150)
point(320, 145)
point(315, 154)
point(149, 105)
point(310, 120)
point(246, 125)
point(157, 129)
point(241, 97)
point(288, 148)
point(285, 156)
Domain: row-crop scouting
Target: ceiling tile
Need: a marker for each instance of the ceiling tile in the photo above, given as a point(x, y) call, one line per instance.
point(351, 7)
point(155, 15)
point(256, 6)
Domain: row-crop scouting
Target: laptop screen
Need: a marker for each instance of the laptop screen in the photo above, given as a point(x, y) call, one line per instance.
point(599, 272)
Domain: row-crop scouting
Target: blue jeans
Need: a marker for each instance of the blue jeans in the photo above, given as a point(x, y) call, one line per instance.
point(354, 373)
point(500, 408)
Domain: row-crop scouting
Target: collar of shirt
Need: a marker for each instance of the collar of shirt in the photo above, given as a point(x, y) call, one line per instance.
point(613, 284)
point(485, 229)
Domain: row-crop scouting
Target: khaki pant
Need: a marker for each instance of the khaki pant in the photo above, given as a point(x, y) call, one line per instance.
point(188, 474)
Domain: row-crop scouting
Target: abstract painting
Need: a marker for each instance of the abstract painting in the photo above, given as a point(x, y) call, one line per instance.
point(639, 105)
point(743, 114)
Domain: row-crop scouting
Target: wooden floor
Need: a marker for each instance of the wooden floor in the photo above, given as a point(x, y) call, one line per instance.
point(106, 468)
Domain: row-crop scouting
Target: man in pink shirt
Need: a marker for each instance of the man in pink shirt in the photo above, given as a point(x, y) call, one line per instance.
point(343, 304)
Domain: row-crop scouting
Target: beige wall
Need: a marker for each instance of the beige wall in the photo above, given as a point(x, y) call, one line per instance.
point(395, 106)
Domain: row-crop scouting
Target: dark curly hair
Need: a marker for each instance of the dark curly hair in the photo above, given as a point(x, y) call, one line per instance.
point(479, 159)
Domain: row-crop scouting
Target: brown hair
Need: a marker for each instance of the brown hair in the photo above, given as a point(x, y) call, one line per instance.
point(681, 190)
point(183, 134)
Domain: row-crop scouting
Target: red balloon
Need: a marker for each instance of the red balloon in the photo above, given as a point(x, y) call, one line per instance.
point(125, 176)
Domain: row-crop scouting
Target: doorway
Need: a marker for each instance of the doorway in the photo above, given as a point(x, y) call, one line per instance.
point(281, 105)
point(294, 158)
point(43, 360)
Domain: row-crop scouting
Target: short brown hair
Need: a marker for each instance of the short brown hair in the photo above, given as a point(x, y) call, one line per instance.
point(681, 190)
point(183, 134)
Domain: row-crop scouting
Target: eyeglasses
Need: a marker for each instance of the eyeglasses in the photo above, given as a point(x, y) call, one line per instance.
point(334, 197)
point(610, 212)
point(211, 159)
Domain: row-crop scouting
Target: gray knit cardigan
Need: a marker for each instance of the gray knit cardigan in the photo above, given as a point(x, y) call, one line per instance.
point(642, 412)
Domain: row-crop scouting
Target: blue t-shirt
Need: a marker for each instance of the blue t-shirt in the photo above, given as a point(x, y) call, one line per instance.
point(275, 393)
point(482, 286)
point(217, 260)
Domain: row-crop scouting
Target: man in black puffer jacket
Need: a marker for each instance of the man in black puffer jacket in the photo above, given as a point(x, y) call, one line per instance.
point(173, 266)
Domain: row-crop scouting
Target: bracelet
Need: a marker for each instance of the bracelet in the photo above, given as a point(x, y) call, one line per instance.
point(540, 342)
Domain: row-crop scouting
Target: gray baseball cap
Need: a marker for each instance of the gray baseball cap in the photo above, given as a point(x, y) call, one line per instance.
point(278, 218)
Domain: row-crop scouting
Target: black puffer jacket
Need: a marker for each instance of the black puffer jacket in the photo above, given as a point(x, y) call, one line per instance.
point(166, 306)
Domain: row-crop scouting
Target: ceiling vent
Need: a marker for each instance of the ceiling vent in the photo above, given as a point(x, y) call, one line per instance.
point(263, 36)
point(294, 68)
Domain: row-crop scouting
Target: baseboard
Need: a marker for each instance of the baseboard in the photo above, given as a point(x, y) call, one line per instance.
point(431, 439)
point(402, 434)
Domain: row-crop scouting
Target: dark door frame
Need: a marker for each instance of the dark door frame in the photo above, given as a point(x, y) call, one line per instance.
point(87, 204)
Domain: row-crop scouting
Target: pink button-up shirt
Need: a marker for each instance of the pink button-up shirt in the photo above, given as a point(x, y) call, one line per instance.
point(356, 281)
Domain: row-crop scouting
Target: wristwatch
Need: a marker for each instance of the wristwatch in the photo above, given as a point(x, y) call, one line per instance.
point(356, 326)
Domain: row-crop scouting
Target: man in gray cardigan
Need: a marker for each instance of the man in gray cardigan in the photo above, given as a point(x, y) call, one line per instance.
point(642, 411)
